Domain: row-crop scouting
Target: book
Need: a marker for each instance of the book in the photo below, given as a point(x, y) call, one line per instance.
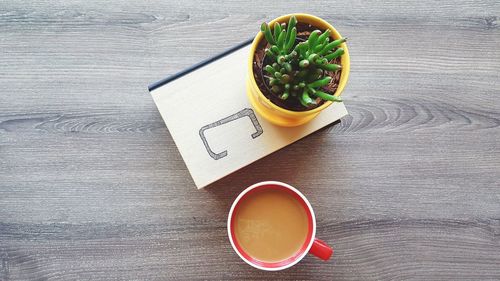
point(212, 123)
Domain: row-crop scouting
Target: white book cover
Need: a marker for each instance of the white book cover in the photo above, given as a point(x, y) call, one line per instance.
point(213, 124)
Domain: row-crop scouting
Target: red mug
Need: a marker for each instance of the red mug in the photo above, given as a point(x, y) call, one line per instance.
point(311, 245)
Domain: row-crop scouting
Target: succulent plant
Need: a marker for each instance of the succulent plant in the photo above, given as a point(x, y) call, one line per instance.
point(299, 69)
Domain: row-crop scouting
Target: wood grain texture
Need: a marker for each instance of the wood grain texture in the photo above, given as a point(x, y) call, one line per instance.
point(93, 188)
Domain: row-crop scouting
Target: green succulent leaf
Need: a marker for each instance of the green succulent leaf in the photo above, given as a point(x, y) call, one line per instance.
point(305, 99)
point(323, 36)
point(275, 50)
point(285, 78)
point(321, 61)
point(290, 40)
point(335, 54)
point(281, 60)
point(269, 69)
point(277, 30)
point(313, 39)
point(302, 48)
point(312, 57)
point(318, 48)
point(270, 53)
point(320, 83)
point(292, 22)
point(304, 64)
point(285, 96)
point(281, 40)
point(324, 96)
point(330, 67)
point(330, 46)
point(264, 28)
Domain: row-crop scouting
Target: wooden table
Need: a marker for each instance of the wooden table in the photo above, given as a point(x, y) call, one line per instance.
point(92, 186)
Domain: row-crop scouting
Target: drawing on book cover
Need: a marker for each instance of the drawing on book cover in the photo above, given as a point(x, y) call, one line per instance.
point(240, 114)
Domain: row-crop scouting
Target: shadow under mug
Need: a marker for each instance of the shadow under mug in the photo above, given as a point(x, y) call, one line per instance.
point(311, 245)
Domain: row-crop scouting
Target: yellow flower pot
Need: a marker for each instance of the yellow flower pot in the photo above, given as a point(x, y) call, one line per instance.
point(270, 111)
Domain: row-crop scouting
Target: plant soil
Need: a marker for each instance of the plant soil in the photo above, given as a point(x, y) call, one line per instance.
point(259, 60)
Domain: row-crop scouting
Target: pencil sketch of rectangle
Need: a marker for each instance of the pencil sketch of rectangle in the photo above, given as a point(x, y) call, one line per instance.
point(214, 126)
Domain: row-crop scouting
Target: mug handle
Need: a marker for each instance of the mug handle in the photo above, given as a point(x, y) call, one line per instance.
point(321, 250)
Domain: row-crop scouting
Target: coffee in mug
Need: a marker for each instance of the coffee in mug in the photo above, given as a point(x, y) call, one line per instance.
point(271, 226)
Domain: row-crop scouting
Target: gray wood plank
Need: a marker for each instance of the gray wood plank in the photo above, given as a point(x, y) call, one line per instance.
point(93, 188)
